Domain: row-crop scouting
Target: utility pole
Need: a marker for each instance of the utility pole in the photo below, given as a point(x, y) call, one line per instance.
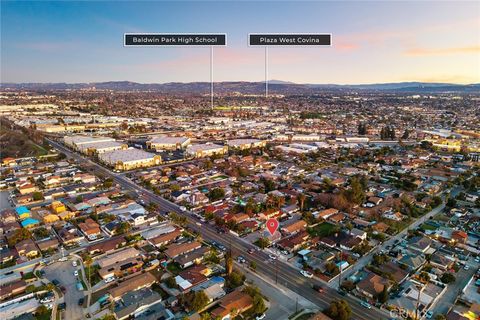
point(211, 77)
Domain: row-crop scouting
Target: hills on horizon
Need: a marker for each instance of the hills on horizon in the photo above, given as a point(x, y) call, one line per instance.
point(247, 87)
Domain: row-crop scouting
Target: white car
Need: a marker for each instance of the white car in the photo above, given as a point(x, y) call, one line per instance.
point(272, 256)
point(260, 317)
point(75, 273)
point(183, 208)
point(306, 274)
point(63, 259)
point(49, 306)
point(46, 300)
point(74, 263)
point(467, 267)
point(109, 279)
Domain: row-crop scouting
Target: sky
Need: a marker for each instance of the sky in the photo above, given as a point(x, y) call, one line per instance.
point(372, 42)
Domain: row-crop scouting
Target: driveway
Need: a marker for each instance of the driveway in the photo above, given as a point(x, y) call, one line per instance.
point(63, 272)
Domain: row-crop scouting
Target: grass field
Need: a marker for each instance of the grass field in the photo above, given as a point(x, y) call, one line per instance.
point(323, 229)
point(16, 145)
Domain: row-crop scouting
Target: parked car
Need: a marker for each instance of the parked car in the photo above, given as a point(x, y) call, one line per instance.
point(260, 317)
point(429, 314)
point(63, 289)
point(80, 301)
point(272, 256)
point(366, 305)
point(55, 282)
point(306, 274)
point(62, 306)
point(75, 273)
point(74, 263)
point(109, 279)
point(46, 300)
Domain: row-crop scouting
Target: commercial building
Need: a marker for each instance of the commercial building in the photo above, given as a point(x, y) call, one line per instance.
point(244, 144)
point(76, 141)
point(168, 143)
point(206, 150)
point(129, 159)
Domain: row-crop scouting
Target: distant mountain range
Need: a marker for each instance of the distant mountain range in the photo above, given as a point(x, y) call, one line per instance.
point(275, 87)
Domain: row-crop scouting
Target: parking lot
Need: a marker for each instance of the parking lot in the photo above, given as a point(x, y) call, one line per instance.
point(63, 273)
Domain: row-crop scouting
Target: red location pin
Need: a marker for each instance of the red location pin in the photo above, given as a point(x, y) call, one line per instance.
point(272, 225)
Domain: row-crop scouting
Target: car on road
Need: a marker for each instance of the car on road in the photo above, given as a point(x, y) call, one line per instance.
point(318, 288)
point(109, 279)
point(80, 301)
point(251, 251)
point(75, 273)
point(260, 317)
point(366, 305)
point(241, 259)
point(272, 256)
point(306, 274)
point(429, 314)
point(74, 263)
point(183, 208)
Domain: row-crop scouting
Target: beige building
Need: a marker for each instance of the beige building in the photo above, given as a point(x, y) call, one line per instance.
point(206, 150)
point(168, 143)
point(129, 159)
point(243, 144)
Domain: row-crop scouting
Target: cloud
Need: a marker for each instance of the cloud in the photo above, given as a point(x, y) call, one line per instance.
point(415, 52)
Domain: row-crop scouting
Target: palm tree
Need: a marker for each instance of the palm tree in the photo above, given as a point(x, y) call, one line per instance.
point(88, 262)
point(301, 200)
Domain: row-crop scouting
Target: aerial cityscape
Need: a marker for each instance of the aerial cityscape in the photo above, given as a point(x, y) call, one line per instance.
point(240, 160)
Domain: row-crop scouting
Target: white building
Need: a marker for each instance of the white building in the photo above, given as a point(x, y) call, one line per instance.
point(168, 143)
point(75, 142)
point(129, 159)
point(243, 144)
point(206, 150)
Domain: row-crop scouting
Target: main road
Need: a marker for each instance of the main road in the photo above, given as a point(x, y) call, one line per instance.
point(280, 272)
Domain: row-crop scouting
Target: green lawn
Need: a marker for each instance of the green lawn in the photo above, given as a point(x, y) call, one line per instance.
point(427, 226)
point(323, 229)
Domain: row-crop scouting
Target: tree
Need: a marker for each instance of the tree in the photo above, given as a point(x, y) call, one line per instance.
point(216, 194)
point(263, 242)
point(339, 310)
point(19, 235)
point(383, 296)
point(229, 263)
point(447, 277)
point(236, 279)
point(122, 227)
point(356, 193)
point(198, 300)
point(41, 311)
point(253, 265)
point(37, 196)
point(258, 304)
point(171, 282)
point(362, 129)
